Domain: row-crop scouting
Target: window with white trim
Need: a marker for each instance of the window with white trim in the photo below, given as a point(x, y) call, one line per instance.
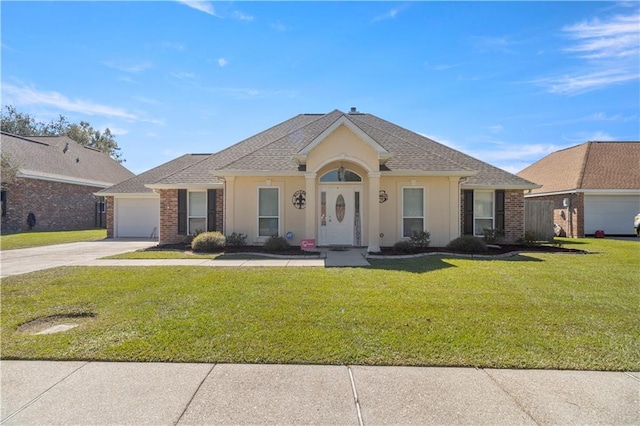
point(483, 209)
point(268, 212)
point(197, 212)
point(412, 211)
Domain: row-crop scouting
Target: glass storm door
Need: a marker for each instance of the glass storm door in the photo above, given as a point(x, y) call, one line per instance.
point(337, 214)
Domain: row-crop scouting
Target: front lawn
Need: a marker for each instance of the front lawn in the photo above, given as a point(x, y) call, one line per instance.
point(47, 238)
point(532, 311)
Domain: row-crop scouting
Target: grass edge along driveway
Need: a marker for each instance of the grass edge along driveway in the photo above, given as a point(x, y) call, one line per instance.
point(46, 238)
point(530, 311)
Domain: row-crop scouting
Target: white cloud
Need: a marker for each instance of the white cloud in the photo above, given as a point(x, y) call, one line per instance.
point(580, 83)
point(202, 6)
point(130, 67)
point(242, 16)
point(183, 75)
point(222, 62)
point(30, 96)
point(618, 37)
point(278, 26)
point(610, 48)
point(581, 137)
point(496, 128)
point(389, 15)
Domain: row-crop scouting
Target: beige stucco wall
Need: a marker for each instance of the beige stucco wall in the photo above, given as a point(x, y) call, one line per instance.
point(344, 148)
point(244, 203)
point(438, 217)
point(343, 144)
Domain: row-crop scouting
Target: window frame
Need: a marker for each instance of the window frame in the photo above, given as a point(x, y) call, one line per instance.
point(277, 188)
point(476, 232)
point(190, 216)
point(424, 210)
point(3, 201)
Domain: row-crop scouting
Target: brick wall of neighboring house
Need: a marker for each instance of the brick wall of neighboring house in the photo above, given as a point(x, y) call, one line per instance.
point(514, 215)
point(56, 206)
point(169, 217)
point(110, 205)
point(571, 220)
point(220, 210)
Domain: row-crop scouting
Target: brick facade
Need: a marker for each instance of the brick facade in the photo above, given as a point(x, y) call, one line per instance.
point(169, 215)
point(571, 220)
point(514, 215)
point(57, 206)
point(110, 205)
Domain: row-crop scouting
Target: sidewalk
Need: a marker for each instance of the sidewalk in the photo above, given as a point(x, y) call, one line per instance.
point(51, 392)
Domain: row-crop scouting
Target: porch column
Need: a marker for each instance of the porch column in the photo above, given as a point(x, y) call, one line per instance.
point(310, 213)
point(374, 211)
point(229, 203)
point(454, 208)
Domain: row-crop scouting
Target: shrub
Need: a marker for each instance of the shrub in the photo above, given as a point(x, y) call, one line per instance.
point(422, 239)
point(236, 240)
point(276, 243)
point(468, 244)
point(188, 239)
point(492, 236)
point(530, 239)
point(405, 246)
point(208, 241)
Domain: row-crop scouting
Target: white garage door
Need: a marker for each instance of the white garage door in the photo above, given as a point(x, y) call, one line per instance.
point(611, 213)
point(137, 217)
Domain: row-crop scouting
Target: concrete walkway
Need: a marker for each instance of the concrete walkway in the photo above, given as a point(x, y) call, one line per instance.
point(50, 392)
point(22, 261)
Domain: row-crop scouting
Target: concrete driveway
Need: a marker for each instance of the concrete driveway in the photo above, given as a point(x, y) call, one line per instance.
point(22, 261)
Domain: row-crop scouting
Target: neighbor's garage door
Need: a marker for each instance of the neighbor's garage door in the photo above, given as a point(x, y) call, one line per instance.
point(137, 217)
point(611, 213)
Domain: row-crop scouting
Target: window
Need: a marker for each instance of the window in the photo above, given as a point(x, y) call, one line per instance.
point(268, 212)
point(197, 213)
point(340, 175)
point(3, 198)
point(412, 211)
point(482, 211)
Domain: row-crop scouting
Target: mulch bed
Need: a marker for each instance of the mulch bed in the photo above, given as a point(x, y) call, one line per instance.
point(385, 251)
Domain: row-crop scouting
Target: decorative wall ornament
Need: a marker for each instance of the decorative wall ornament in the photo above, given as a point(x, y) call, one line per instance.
point(383, 196)
point(299, 199)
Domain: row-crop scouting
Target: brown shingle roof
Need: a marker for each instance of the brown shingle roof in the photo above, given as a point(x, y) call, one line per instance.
point(63, 159)
point(591, 165)
point(275, 150)
point(136, 185)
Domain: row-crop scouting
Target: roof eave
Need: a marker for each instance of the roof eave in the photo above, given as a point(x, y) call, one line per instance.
point(27, 174)
point(209, 185)
point(499, 186)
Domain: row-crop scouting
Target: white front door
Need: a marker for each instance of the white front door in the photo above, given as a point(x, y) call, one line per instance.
point(339, 215)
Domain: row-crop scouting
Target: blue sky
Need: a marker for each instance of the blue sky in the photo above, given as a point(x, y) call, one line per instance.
point(506, 82)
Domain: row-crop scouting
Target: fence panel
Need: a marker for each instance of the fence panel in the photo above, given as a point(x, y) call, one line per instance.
point(538, 219)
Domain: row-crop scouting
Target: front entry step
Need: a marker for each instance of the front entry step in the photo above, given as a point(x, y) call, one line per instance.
point(340, 247)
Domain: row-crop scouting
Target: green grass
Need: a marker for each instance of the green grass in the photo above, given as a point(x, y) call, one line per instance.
point(47, 238)
point(532, 311)
point(161, 254)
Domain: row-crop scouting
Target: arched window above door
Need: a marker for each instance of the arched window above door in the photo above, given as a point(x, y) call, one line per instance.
point(340, 175)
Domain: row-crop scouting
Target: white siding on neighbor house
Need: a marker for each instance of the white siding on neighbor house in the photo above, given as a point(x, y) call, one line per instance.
point(611, 213)
point(137, 217)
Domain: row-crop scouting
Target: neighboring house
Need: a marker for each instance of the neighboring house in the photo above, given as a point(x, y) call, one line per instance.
point(336, 178)
point(593, 186)
point(54, 178)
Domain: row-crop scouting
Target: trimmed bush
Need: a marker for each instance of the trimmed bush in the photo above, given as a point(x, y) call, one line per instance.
point(208, 241)
point(492, 236)
point(405, 246)
point(421, 240)
point(276, 243)
point(468, 244)
point(236, 240)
